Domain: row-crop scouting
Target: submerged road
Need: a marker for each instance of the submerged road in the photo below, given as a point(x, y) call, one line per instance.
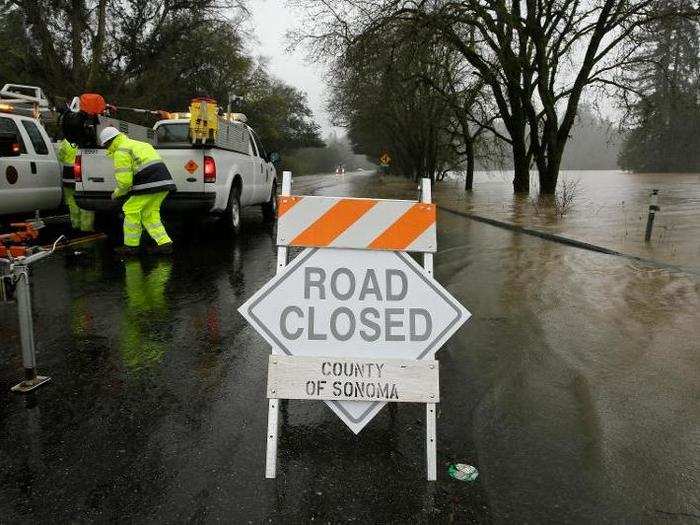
point(574, 389)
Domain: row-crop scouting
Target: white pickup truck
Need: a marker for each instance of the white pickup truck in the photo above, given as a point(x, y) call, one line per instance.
point(209, 179)
point(30, 175)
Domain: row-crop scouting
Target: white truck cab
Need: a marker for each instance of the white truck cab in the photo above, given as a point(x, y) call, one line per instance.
point(217, 180)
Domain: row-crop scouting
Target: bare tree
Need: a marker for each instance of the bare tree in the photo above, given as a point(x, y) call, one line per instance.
point(381, 98)
point(536, 57)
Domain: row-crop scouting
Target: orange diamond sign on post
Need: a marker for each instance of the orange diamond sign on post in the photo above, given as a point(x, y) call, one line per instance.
point(191, 166)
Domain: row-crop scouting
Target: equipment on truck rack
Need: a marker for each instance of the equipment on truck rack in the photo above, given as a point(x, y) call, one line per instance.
point(83, 126)
point(23, 100)
point(209, 126)
point(14, 283)
point(204, 121)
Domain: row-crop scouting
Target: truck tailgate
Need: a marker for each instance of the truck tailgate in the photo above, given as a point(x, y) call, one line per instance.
point(186, 166)
point(97, 170)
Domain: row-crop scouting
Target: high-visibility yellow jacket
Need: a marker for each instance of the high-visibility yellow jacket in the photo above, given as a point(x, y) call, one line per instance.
point(138, 168)
point(66, 157)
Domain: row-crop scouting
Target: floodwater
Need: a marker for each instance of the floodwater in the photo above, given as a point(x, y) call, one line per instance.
point(574, 389)
point(605, 208)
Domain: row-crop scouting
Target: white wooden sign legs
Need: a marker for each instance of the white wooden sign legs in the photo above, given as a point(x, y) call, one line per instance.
point(273, 407)
point(430, 416)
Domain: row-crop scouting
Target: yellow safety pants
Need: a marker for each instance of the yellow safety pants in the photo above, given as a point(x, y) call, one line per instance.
point(144, 211)
point(80, 219)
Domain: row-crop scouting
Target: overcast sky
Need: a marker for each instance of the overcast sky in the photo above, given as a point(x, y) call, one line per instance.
point(271, 20)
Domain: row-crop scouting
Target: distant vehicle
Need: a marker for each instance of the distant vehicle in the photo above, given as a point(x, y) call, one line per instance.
point(340, 170)
point(30, 175)
point(216, 179)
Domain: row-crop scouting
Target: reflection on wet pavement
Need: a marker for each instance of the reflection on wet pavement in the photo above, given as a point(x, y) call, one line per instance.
point(574, 390)
point(142, 341)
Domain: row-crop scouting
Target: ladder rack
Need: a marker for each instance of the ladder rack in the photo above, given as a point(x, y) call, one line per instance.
point(23, 100)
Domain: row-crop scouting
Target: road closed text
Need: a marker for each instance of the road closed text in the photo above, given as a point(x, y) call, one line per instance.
point(351, 317)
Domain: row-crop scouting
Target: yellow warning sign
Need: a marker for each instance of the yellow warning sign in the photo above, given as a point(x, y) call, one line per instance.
point(191, 166)
point(385, 159)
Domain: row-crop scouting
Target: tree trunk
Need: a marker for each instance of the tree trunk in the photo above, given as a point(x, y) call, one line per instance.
point(469, 178)
point(98, 45)
point(76, 21)
point(549, 175)
point(521, 168)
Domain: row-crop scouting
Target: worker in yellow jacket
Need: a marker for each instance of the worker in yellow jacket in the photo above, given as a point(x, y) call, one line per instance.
point(141, 174)
point(80, 219)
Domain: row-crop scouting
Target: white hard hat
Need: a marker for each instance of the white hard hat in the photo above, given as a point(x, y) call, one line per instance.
point(108, 134)
point(74, 106)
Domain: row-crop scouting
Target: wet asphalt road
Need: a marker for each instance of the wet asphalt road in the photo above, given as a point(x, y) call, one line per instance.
point(574, 390)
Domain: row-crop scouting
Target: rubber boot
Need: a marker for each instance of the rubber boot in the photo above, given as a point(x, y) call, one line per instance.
point(162, 249)
point(126, 251)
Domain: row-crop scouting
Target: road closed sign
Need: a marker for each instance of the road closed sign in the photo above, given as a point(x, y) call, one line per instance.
point(354, 320)
point(338, 303)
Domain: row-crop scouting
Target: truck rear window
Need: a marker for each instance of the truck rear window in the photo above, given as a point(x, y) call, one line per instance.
point(40, 147)
point(173, 135)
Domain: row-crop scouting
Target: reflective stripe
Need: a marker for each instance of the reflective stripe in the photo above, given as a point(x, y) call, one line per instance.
point(132, 235)
point(125, 150)
point(146, 165)
point(156, 184)
point(122, 170)
point(153, 225)
point(68, 180)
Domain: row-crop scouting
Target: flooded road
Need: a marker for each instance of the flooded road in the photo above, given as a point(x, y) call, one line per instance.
point(605, 208)
point(574, 389)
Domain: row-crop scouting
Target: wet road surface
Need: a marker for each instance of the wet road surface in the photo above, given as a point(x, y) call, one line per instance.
point(574, 389)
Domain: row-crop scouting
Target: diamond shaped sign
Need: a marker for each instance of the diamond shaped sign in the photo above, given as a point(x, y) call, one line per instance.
point(191, 166)
point(354, 303)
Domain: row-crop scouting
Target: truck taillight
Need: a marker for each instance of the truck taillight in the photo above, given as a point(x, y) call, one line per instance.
point(78, 168)
point(209, 169)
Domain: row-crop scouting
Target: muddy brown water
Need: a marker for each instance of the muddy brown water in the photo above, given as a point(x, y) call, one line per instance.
point(606, 208)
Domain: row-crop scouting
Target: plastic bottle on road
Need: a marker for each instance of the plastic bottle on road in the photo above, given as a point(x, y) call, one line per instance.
point(463, 472)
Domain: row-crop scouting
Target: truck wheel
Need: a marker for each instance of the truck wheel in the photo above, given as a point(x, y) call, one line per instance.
point(233, 211)
point(269, 209)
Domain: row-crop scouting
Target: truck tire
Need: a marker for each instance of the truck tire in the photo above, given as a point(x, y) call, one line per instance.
point(269, 209)
point(232, 217)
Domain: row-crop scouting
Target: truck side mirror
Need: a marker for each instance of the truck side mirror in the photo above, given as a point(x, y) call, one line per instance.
point(274, 157)
point(10, 145)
